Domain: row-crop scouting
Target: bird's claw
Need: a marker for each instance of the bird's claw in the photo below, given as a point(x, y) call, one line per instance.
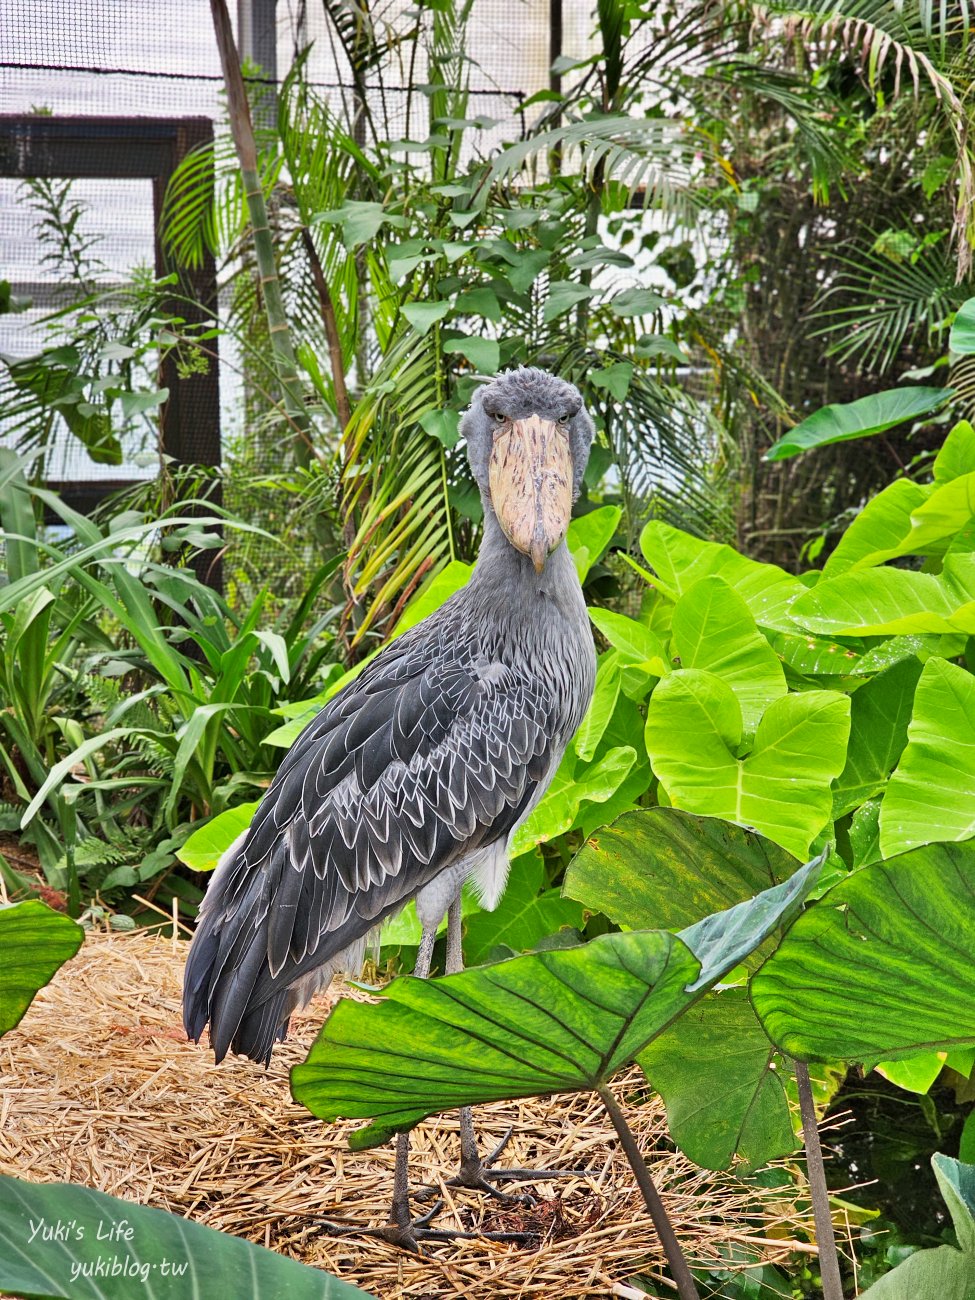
point(408, 1235)
point(475, 1173)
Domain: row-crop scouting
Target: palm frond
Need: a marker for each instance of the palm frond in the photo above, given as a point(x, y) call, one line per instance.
point(662, 159)
point(394, 483)
point(924, 42)
point(893, 303)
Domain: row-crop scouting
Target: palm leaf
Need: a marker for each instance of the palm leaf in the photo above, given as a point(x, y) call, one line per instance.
point(394, 482)
point(926, 43)
point(893, 303)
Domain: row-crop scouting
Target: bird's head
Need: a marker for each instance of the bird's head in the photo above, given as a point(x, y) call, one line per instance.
point(528, 438)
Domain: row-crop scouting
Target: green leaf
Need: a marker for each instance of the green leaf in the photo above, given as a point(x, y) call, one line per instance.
point(636, 302)
point(633, 640)
point(941, 1272)
point(615, 379)
point(601, 707)
point(480, 302)
point(205, 847)
point(888, 602)
point(433, 594)
point(360, 221)
point(957, 454)
point(931, 795)
point(713, 629)
point(860, 419)
point(35, 941)
point(526, 268)
point(781, 788)
point(720, 1079)
point(658, 345)
point(59, 388)
point(662, 866)
point(879, 714)
point(424, 315)
point(562, 296)
point(443, 425)
point(915, 1073)
point(111, 1249)
point(562, 802)
point(555, 1021)
point(525, 914)
point(589, 535)
point(483, 354)
point(137, 403)
point(878, 531)
point(962, 336)
point(681, 560)
point(880, 967)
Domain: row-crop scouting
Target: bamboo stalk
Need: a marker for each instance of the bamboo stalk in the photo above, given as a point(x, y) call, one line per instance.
point(282, 349)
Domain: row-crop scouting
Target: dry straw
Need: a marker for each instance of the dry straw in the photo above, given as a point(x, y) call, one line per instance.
point(99, 1086)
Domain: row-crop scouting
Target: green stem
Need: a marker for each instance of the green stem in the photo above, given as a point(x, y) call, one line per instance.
point(686, 1288)
point(282, 349)
point(829, 1260)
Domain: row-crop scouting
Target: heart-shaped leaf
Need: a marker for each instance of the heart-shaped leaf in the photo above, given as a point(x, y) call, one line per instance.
point(558, 1021)
point(664, 867)
point(680, 560)
point(205, 847)
point(781, 787)
point(424, 315)
point(713, 630)
point(562, 296)
point(721, 1081)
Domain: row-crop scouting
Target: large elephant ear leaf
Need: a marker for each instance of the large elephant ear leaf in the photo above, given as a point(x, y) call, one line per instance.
point(722, 1083)
point(944, 1271)
point(665, 867)
point(110, 1249)
point(35, 941)
point(880, 968)
point(558, 1021)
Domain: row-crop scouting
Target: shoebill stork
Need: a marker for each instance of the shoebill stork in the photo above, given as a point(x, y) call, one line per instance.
point(413, 779)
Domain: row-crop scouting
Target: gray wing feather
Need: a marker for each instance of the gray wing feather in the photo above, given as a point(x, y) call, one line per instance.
point(431, 753)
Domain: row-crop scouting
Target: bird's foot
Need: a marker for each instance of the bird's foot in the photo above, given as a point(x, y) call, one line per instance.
point(407, 1233)
point(478, 1174)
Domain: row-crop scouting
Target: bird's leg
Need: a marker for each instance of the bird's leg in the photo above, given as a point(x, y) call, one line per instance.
point(475, 1172)
point(472, 1168)
point(400, 1229)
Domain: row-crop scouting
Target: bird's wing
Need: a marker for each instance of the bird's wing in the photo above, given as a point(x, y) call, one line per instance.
point(436, 750)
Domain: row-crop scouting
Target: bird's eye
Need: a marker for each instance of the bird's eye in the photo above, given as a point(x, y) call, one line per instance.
point(565, 417)
point(500, 417)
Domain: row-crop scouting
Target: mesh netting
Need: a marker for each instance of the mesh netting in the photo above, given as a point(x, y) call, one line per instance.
point(128, 60)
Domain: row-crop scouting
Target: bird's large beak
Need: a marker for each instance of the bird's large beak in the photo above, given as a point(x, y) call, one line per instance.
point(530, 476)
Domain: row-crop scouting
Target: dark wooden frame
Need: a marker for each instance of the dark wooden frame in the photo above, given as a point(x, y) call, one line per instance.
point(115, 148)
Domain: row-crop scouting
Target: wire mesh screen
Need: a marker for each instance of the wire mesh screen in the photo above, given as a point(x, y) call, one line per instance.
point(147, 64)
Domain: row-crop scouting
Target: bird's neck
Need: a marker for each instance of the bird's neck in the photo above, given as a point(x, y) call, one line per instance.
point(506, 575)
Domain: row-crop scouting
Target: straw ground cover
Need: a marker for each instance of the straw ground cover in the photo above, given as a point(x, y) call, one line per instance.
point(101, 1087)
